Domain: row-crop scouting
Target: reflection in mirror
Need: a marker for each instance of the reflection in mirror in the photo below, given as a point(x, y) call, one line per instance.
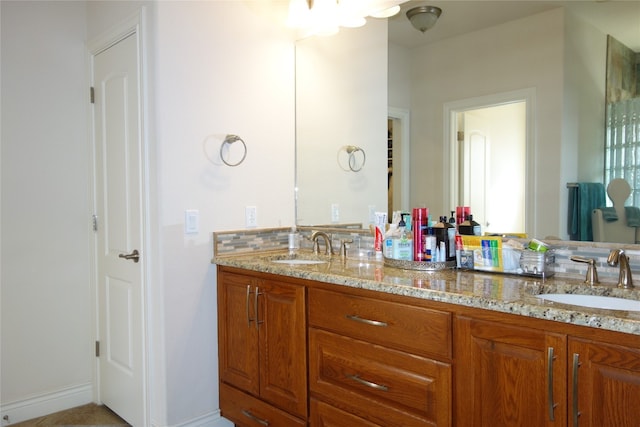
point(339, 104)
point(551, 48)
point(489, 130)
point(623, 116)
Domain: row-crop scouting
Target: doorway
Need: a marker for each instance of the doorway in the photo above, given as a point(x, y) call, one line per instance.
point(119, 187)
point(488, 145)
point(398, 155)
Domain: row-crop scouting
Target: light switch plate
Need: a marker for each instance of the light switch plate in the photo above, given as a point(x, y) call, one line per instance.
point(335, 212)
point(191, 221)
point(251, 216)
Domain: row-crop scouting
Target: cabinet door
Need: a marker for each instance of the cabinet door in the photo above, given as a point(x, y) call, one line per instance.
point(282, 338)
point(605, 385)
point(509, 376)
point(237, 332)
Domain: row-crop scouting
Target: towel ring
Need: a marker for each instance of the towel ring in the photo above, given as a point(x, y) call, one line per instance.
point(355, 162)
point(230, 139)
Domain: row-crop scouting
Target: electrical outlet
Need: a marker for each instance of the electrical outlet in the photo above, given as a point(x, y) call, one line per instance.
point(335, 212)
point(191, 221)
point(372, 214)
point(251, 216)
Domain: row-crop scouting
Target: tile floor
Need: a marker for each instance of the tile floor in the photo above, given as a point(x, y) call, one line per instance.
point(86, 415)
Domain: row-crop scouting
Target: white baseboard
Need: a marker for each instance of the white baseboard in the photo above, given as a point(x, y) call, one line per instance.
point(46, 403)
point(212, 419)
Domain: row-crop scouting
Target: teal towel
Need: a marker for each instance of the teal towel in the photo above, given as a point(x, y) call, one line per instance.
point(633, 216)
point(609, 214)
point(583, 199)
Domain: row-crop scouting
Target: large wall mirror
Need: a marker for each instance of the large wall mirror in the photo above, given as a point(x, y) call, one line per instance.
point(349, 85)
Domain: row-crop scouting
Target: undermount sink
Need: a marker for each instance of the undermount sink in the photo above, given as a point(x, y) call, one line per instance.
point(298, 261)
point(593, 301)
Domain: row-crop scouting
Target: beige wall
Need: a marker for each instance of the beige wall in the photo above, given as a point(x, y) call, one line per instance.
point(220, 67)
point(46, 306)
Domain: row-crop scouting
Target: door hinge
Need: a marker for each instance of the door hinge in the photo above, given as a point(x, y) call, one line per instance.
point(92, 95)
point(97, 348)
point(460, 135)
point(94, 221)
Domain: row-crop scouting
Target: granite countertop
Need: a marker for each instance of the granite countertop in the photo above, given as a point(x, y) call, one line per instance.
point(499, 292)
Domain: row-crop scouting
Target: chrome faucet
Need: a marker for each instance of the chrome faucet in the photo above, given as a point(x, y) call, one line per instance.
point(618, 257)
point(327, 243)
point(592, 271)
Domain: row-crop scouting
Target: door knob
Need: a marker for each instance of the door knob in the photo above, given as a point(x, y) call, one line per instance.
point(135, 256)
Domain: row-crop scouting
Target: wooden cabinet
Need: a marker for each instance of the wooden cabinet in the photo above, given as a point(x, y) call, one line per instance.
point(605, 385)
point(508, 375)
point(262, 349)
point(382, 363)
point(511, 375)
point(295, 352)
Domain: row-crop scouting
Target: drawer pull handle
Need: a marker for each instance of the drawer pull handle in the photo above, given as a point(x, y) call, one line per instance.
point(551, 404)
point(249, 319)
point(368, 383)
point(576, 412)
point(367, 321)
point(254, 418)
point(255, 306)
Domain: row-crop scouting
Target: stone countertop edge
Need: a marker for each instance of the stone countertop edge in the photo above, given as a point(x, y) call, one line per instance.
point(498, 292)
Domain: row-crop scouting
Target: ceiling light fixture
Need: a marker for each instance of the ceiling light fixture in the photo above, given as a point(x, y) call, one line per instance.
point(424, 17)
point(324, 17)
point(386, 12)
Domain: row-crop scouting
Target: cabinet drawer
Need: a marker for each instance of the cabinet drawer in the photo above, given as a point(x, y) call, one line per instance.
point(404, 327)
point(247, 411)
point(385, 386)
point(324, 415)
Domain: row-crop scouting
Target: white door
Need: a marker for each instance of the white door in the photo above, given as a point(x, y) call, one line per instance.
point(118, 183)
point(475, 155)
point(493, 166)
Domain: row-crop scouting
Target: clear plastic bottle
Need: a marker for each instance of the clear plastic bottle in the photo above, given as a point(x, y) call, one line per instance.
point(402, 243)
point(430, 245)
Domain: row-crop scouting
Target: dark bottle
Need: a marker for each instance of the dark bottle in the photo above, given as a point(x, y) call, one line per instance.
point(446, 233)
point(470, 227)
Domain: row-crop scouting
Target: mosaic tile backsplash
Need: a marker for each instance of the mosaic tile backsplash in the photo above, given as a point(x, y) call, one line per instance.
point(270, 239)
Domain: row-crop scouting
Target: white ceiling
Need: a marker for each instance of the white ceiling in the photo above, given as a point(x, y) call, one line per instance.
point(620, 18)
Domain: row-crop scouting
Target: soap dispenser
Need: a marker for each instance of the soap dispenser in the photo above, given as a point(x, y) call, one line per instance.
point(470, 227)
point(402, 243)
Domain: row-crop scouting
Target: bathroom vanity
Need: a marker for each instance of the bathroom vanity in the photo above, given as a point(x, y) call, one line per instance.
point(350, 342)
